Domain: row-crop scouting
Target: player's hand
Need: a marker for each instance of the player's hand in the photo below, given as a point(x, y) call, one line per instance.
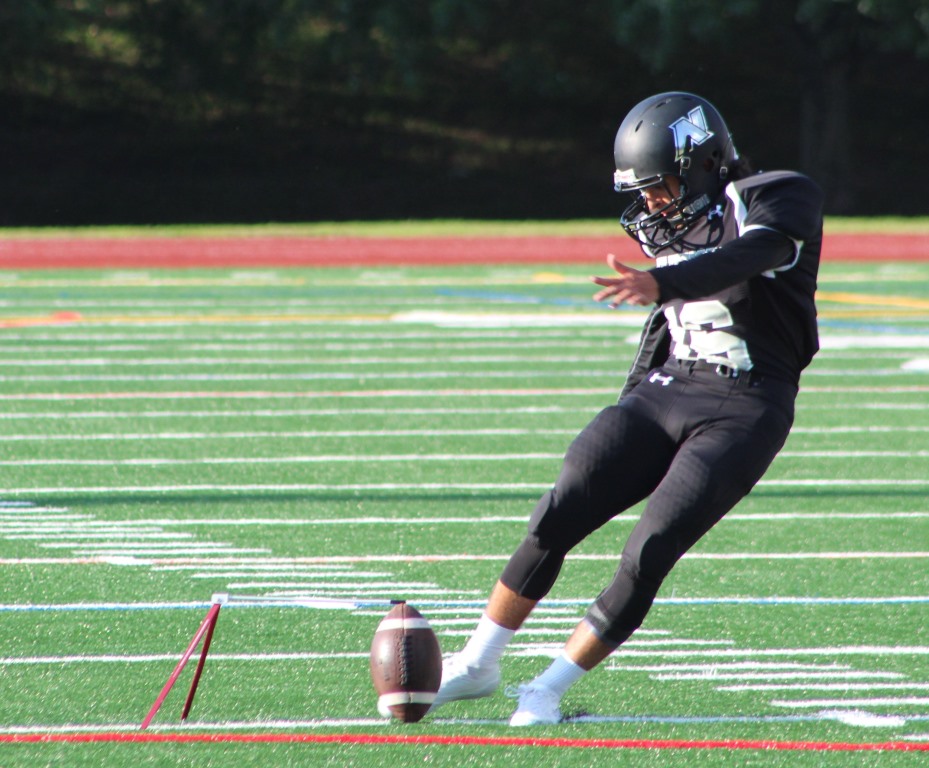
point(632, 286)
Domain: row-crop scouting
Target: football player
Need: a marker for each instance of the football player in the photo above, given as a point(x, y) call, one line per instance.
point(707, 404)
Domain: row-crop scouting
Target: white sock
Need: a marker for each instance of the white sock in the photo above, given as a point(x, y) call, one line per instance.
point(561, 675)
point(486, 645)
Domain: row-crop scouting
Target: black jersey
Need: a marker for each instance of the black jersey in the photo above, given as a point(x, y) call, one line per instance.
point(746, 302)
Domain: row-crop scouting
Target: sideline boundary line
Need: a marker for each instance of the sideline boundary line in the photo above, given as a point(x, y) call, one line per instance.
point(481, 741)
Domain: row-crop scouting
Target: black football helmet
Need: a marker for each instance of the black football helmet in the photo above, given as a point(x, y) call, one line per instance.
point(673, 134)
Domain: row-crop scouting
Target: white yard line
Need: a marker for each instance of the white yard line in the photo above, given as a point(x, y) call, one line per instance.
point(846, 687)
point(335, 458)
point(617, 373)
point(281, 435)
point(474, 432)
point(416, 487)
point(68, 363)
point(159, 657)
point(404, 458)
point(147, 414)
point(385, 394)
point(40, 522)
point(734, 653)
point(804, 675)
point(517, 373)
point(903, 701)
point(464, 600)
point(376, 394)
point(346, 339)
point(279, 413)
point(708, 670)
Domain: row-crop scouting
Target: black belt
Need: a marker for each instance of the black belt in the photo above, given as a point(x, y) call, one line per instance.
point(723, 371)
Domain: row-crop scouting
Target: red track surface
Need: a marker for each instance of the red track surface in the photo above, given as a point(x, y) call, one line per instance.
point(479, 741)
point(263, 252)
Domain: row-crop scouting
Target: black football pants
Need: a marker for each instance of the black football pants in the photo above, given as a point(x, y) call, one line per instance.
point(693, 442)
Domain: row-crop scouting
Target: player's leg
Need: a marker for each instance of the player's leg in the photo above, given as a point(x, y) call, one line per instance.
point(474, 672)
point(614, 463)
point(712, 471)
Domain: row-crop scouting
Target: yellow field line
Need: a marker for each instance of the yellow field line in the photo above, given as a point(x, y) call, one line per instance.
point(160, 282)
point(75, 318)
point(840, 297)
point(852, 314)
point(318, 282)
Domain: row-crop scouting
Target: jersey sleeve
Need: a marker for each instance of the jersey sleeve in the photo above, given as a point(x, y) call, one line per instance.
point(741, 259)
point(784, 202)
point(775, 213)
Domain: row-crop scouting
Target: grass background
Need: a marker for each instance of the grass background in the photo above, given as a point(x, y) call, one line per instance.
point(98, 417)
point(891, 225)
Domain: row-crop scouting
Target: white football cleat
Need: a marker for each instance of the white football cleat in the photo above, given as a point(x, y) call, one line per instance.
point(460, 681)
point(538, 705)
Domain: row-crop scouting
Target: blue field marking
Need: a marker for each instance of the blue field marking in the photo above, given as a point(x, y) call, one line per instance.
point(496, 297)
point(710, 719)
point(369, 604)
point(916, 599)
point(372, 722)
point(70, 607)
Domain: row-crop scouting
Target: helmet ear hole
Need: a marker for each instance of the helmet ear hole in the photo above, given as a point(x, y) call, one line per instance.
point(712, 161)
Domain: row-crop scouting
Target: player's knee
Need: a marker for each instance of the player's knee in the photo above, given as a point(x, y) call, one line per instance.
point(653, 557)
point(558, 520)
point(533, 569)
point(563, 517)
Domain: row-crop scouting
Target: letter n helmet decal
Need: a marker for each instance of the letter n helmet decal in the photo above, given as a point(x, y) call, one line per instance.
point(692, 127)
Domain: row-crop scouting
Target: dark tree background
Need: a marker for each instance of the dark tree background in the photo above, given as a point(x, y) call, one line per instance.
point(157, 111)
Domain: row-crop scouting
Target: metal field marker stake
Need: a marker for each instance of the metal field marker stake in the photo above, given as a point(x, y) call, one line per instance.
point(205, 633)
point(206, 629)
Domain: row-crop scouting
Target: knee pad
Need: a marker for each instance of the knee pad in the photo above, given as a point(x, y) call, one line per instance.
point(621, 608)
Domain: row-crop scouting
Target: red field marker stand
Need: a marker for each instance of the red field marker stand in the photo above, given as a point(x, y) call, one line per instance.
point(205, 633)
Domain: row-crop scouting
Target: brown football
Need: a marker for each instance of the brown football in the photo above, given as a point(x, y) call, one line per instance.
point(406, 664)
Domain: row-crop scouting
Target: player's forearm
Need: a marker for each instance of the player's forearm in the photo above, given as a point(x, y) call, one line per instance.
point(746, 257)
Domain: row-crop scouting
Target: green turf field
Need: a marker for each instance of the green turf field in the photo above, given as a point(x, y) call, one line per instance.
point(371, 434)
